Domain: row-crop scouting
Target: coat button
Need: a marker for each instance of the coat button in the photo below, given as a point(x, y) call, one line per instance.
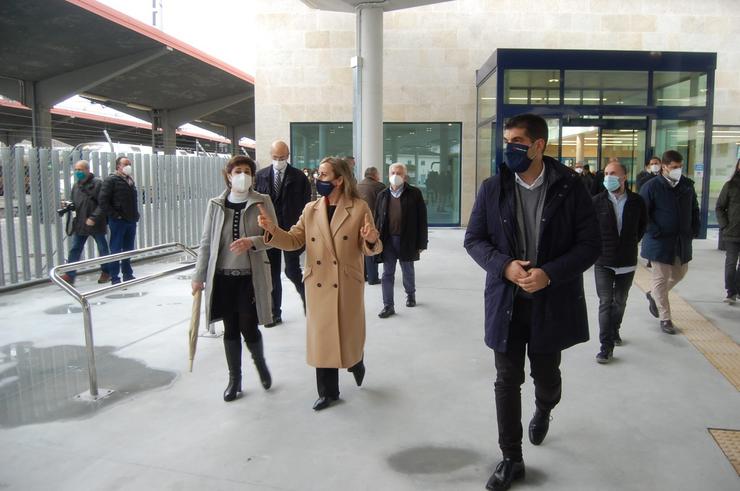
point(318, 262)
point(335, 285)
point(345, 237)
point(318, 284)
point(313, 239)
point(334, 262)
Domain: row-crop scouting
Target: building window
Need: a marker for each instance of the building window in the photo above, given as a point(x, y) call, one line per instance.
point(680, 88)
point(532, 87)
point(430, 151)
point(605, 88)
point(725, 154)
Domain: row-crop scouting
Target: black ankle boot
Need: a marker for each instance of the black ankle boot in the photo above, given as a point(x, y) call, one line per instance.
point(233, 349)
point(258, 355)
point(358, 370)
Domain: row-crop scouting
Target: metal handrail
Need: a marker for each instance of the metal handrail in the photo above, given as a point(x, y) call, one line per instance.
point(82, 298)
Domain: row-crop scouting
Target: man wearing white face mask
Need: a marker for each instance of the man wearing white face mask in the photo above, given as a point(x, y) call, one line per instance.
point(622, 221)
point(401, 218)
point(290, 190)
point(119, 201)
point(673, 214)
point(652, 169)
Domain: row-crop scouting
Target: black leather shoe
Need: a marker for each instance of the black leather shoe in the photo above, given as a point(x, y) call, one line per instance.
point(386, 312)
point(667, 327)
point(507, 471)
point(652, 306)
point(604, 356)
point(617, 339)
point(359, 372)
point(324, 402)
point(374, 282)
point(275, 322)
point(411, 301)
point(538, 426)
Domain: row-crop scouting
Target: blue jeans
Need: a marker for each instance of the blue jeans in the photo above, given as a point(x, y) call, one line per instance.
point(391, 252)
point(122, 238)
point(371, 269)
point(78, 244)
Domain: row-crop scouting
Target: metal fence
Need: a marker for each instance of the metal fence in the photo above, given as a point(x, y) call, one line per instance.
point(173, 194)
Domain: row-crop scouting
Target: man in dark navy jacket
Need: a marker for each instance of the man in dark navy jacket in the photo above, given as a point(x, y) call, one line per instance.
point(290, 191)
point(673, 223)
point(534, 230)
point(622, 220)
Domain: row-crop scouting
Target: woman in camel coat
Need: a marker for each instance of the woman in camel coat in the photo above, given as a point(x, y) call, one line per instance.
point(338, 231)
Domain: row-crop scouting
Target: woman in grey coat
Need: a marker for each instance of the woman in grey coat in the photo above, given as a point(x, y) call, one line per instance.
point(234, 271)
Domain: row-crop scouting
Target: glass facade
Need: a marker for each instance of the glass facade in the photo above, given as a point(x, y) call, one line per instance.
point(725, 154)
point(655, 101)
point(430, 151)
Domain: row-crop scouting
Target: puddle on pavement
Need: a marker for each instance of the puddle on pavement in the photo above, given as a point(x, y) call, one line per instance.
point(432, 460)
point(68, 308)
point(39, 385)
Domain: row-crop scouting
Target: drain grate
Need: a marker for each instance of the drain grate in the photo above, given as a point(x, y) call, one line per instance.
point(729, 442)
point(719, 348)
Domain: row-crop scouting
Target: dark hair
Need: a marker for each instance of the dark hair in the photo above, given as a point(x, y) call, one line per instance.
point(534, 126)
point(586, 167)
point(118, 160)
point(671, 156)
point(238, 160)
point(371, 171)
point(654, 157)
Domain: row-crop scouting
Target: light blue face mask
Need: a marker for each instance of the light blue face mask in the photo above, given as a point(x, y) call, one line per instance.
point(611, 183)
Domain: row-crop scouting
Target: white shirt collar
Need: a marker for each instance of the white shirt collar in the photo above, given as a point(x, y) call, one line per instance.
point(537, 182)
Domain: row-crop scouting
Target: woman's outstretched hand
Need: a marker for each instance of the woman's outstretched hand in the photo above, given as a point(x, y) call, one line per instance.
point(264, 221)
point(368, 231)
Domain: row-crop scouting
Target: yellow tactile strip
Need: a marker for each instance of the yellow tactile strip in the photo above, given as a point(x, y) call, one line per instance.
point(719, 348)
point(729, 442)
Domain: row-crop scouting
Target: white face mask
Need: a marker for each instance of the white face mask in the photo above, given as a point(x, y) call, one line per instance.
point(315, 175)
point(655, 168)
point(241, 183)
point(675, 174)
point(396, 180)
point(579, 170)
point(127, 170)
point(279, 164)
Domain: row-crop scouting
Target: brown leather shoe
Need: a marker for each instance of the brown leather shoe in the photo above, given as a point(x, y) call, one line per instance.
point(104, 278)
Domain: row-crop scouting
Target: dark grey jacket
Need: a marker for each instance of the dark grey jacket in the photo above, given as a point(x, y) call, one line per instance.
point(728, 209)
point(86, 197)
point(119, 199)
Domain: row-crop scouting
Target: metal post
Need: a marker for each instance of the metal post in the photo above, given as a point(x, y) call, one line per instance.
point(90, 345)
point(370, 50)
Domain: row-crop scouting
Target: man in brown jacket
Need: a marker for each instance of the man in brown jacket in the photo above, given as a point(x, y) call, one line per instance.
point(369, 188)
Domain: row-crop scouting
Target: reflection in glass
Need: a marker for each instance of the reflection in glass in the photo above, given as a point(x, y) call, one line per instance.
point(580, 144)
point(431, 152)
point(532, 87)
point(487, 98)
point(687, 137)
point(605, 87)
point(484, 161)
point(311, 142)
point(725, 152)
point(680, 88)
point(625, 145)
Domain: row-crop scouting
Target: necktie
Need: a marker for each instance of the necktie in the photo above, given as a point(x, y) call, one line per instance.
point(276, 183)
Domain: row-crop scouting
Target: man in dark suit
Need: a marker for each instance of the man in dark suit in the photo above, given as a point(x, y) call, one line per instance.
point(401, 219)
point(369, 188)
point(534, 231)
point(290, 191)
point(622, 219)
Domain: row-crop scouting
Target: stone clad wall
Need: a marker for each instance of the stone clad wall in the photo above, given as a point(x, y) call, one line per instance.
point(431, 54)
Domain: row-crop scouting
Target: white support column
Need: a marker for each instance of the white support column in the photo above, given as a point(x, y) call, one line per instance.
point(370, 53)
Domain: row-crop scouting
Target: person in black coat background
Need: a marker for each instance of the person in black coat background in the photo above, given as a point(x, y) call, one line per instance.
point(290, 190)
point(89, 219)
point(401, 219)
point(534, 231)
point(119, 200)
point(652, 169)
point(622, 219)
point(728, 218)
point(673, 223)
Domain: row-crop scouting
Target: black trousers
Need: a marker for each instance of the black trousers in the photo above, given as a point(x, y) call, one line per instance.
point(545, 370)
point(327, 380)
point(732, 268)
point(292, 271)
point(613, 290)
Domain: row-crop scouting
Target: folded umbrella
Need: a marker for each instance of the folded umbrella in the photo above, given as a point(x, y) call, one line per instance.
point(194, 326)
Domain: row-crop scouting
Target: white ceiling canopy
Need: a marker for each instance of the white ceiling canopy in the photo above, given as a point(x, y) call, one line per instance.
point(351, 5)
